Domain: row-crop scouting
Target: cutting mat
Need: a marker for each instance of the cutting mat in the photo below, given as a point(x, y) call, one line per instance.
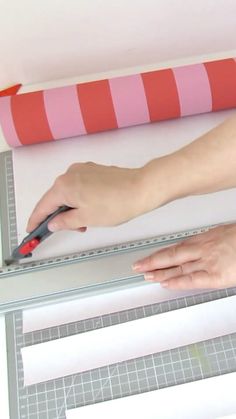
point(50, 400)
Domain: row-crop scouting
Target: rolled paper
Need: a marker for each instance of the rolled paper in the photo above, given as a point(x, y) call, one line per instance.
point(118, 102)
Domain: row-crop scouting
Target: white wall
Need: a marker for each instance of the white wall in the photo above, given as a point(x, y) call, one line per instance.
point(50, 39)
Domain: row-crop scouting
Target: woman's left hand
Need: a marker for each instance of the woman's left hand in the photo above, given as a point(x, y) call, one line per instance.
point(204, 261)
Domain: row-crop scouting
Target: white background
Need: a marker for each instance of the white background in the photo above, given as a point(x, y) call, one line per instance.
point(51, 39)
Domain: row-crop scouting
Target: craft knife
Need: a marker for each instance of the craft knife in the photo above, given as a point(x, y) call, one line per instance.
point(30, 242)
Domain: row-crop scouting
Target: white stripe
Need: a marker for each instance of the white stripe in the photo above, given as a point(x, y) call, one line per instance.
point(106, 303)
point(129, 340)
point(204, 399)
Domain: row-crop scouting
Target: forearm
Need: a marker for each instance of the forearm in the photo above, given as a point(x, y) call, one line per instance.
point(206, 165)
point(108, 195)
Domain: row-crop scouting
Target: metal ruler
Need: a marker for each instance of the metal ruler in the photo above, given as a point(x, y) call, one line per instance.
point(89, 273)
point(85, 272)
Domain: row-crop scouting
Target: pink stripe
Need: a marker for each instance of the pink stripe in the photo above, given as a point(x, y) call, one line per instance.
point(7, 122)
point(63, 112)
point(194, 89)
point(129, 100)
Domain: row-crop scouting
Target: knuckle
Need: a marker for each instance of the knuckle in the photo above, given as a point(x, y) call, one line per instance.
point(150, 260)
point(172, 251)
point(161, 275)
point(73, 167)
point(175, 253)
point(151, 263)
point(60, 180)
point(90, 163)
point(190, 278)
point(181, 269)
point(211, 262)
point(218, 280)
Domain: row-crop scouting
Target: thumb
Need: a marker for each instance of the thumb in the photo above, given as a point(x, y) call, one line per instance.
point(69, 220)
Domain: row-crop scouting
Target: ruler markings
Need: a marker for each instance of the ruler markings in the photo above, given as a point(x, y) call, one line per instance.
point(166, 239)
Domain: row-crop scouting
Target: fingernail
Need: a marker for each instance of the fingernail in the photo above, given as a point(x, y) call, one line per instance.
point(137, 266)
point(149, 277)
point(53, 227)
point(165, 284)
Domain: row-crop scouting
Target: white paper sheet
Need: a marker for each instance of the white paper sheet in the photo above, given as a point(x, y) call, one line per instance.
point(204, 399)
point(36, 167)
point(101, 36)
point(98, 305)
point(130, 340)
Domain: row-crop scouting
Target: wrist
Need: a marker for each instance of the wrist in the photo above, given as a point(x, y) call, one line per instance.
point(164, 180)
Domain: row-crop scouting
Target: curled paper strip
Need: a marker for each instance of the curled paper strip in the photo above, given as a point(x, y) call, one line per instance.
point(118, 102)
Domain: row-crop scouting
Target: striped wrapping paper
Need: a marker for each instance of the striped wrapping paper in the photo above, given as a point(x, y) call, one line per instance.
point(118, 102)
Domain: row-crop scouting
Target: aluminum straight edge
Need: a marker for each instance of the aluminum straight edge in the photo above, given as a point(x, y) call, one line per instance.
point(86, 277)
point(163, 240)
point(69, 295)
point(94, 275)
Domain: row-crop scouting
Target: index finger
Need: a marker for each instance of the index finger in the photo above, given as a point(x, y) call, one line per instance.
point(49, 203)
point(170, 256)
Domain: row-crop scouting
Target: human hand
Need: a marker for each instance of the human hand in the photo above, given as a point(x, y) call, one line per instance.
point(204, 261)
point(99, 195)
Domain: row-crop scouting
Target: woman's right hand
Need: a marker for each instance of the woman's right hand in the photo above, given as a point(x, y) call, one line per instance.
point(99, 195)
